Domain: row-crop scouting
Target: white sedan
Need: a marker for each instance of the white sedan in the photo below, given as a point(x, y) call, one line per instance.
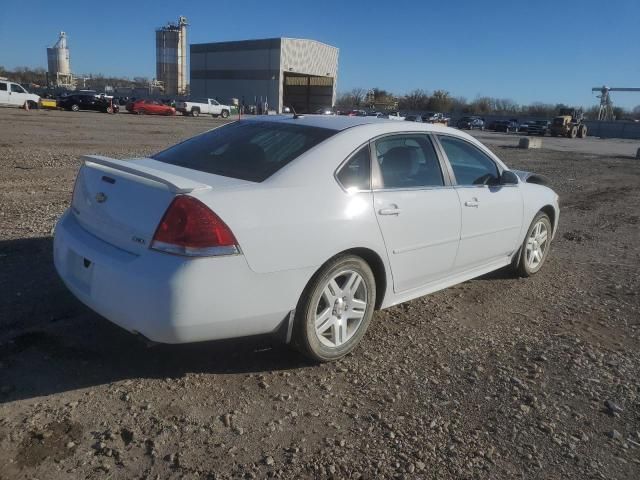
point(297, 226)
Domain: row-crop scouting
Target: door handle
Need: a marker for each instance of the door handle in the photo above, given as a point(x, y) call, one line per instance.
point(471, 203)
point(390, 211)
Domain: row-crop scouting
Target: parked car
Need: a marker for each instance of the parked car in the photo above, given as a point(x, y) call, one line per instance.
point(413, 118)
point(150, 107)
point(523, 127)
point(209, 106)
point(432, 117)
point(87, 101)
point(470, 123)
point(15, 95)
point(325, 111)
point(539, 127)
point(506, 126)
point(356, 113)
point(225, 234)
point(394, 116)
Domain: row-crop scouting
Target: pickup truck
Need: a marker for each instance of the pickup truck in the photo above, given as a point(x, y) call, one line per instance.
point(395, 116)
point(13, 94)
point(209, 106)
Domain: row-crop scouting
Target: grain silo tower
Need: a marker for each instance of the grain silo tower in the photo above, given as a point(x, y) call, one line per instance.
point(58, 62)
point(171, 57)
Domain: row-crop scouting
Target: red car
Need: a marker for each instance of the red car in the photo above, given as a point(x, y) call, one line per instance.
point(150, 107)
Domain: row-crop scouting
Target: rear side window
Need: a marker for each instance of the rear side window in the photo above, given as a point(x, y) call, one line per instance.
point(247, 150)
point(3, 86)
point(356, 173)
point(408, 161)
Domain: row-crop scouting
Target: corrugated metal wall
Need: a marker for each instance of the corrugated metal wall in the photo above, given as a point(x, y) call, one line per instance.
point(253, 69)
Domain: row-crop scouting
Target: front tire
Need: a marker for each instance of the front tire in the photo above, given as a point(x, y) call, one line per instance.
point(335, 309)
point(535, 247)
point(225, 113)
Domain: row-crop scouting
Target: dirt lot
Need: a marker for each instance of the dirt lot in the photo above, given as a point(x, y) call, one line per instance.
point(496, 378)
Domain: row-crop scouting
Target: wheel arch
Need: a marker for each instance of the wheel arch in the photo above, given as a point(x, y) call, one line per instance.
point(377, 267)
point(551, 213)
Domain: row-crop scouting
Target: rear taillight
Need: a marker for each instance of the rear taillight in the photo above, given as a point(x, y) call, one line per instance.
point(190, 228)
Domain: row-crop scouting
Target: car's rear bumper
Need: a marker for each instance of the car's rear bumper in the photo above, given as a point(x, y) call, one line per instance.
point(172, 299)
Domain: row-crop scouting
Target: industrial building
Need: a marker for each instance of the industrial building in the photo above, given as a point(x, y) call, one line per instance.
point(291, 72)
point(171, 57)
point(58, 63)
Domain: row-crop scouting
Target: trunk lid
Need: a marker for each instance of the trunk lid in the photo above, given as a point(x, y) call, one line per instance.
point(123, 201)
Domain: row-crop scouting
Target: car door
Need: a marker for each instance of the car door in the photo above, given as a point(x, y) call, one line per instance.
point(491, 213)
point(17, 95)
point(417, 209)
point(4, 93)
point(214, 107)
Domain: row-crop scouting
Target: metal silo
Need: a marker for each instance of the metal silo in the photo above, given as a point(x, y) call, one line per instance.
point(58, 57)
point(171, 57)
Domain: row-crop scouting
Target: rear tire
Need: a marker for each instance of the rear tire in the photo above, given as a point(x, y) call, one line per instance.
point(535, 247)
point(582, 131)
point(573, 132)
point(335, 309)
point(75, 108)
point(195, 112)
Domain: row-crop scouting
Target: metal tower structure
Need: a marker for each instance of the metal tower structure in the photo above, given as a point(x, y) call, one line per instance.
point(58, 63)
point(605, 111)
point(171, 57)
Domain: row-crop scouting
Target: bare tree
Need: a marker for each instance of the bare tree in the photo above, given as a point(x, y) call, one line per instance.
point(440, 101)
point(358, 95)
point(414, 100)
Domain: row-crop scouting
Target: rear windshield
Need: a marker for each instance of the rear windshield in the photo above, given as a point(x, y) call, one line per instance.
point(247, 150)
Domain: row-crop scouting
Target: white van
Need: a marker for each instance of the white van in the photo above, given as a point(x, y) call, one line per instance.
point(13, 94)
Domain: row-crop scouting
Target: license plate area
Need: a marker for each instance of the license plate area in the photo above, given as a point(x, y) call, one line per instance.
point(80, 270)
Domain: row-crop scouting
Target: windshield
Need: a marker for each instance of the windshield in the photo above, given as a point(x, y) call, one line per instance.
point(247, 150)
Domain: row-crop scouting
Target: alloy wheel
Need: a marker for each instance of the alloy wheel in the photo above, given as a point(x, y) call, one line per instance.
point(537, 245)
point(341, 308)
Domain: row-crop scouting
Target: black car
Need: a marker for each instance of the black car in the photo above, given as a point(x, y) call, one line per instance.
point(413, 118)
point(470, 123)
point(506, 126)
point(87, 101)
point(539, 127)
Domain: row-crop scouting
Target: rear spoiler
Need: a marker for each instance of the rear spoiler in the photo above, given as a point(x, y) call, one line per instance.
point(175, 183)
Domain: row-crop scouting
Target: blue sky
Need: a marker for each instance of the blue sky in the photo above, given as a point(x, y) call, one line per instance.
point(544, 50)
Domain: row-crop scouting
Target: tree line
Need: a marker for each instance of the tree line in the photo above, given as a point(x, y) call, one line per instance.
point(442, 101)
point(38, 77)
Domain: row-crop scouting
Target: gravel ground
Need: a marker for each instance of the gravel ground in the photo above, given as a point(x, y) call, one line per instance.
point(496, 378)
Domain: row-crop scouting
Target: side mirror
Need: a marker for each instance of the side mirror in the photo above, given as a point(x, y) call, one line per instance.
point(508, 178)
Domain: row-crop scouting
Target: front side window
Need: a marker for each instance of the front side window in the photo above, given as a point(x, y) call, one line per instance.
point(356, 173)
point(470, 165)
point(246, 149)
point(15, 88)
point(408, 161)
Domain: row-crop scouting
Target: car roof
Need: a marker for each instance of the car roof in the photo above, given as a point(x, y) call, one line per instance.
point(340, 123)
point(337, 122)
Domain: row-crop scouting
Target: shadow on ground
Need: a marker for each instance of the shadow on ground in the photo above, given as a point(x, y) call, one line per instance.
point(50, 343)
